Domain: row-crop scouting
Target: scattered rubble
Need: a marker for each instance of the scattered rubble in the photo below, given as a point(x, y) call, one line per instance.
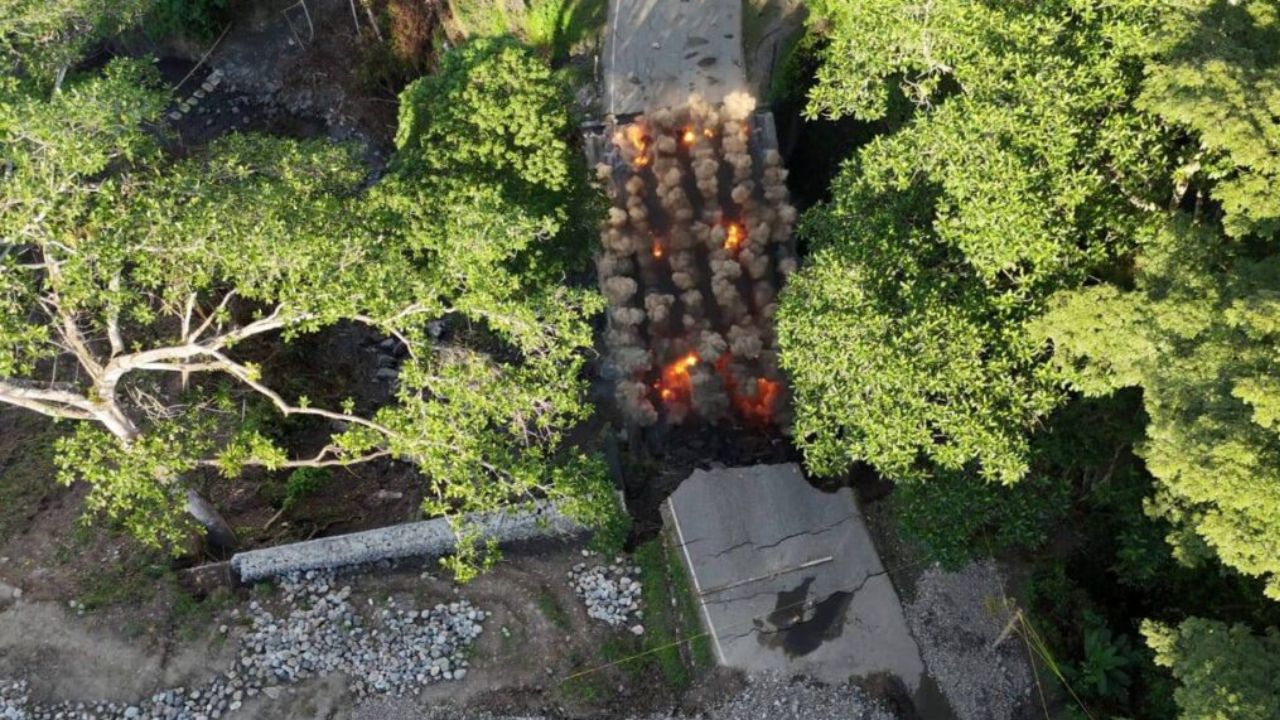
point(387, 650)
point(611, 592)
point(771, 697)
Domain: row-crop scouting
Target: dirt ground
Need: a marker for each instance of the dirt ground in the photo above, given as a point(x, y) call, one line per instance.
point(537, 636)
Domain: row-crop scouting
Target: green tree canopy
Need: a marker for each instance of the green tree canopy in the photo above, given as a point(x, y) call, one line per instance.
point(1199, 334)
point(41, 39)
point(1021, 165)
point(1218, 75)
point(122, 267)
point(1226, 672)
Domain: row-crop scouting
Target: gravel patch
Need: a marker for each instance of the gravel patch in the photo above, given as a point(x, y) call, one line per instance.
point(611, 592)
point(765, 697)
point(956, 617)
point(777, 698)
point(318, 631)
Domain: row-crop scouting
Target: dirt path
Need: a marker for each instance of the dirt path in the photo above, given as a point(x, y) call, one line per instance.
point(537, 635)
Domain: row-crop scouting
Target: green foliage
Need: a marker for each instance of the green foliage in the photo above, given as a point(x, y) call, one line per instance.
point(40, 38)
point(613, 525)
point(303, 483)
point(137, 484)
point(1198, 334)
point(1226, 671)
point(1220, 78)
point(662, 627)
point(1108, 660)
point(197, 19)
point(130, 580)
point(200, 265)
point(1019, 168)
point(555, 27)
point(958, 518)
point(561, 25)
point(552, 610)
point(492, 113)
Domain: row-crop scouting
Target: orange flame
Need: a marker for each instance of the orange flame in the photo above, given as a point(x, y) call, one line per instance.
point(657, 251)
point(675, 384)
point(636, 136)
point(759, 408)
point(734, 236)
point(688, 136)
point(708, 133)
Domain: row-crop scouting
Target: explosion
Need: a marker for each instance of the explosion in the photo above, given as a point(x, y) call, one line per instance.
point(675, 384)
point(733, 237)
point(693, 252)
point(639, 142)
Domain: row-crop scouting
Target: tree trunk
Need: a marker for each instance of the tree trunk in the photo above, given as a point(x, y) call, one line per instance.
point(218, 533)
point(221, 538)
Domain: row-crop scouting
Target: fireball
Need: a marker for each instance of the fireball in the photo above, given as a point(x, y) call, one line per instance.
point(674, 385)
point(734, 235)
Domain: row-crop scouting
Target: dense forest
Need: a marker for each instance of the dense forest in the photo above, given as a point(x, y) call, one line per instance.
point(1040, 295)
point(1043, 299)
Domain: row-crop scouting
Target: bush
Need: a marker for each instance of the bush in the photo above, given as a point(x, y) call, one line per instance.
point(197, 19)
point(958, 517)
point(303, 483)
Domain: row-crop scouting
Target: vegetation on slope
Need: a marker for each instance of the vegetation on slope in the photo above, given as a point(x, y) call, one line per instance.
point(1070, 199)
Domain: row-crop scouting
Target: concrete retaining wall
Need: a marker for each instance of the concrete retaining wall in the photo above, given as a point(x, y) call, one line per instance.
point(420, 539)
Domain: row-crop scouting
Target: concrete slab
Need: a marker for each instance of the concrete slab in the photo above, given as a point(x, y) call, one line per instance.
point(657, 52)
point(788, 577)
point(426, 538)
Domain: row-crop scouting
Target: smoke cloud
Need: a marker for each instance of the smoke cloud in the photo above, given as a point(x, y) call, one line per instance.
point(692, 254)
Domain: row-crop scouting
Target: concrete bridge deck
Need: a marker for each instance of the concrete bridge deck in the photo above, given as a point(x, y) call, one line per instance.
point(657, 52)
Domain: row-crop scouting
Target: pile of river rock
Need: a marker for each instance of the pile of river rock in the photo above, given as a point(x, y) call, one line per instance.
point(611, 592)
point(388, 650)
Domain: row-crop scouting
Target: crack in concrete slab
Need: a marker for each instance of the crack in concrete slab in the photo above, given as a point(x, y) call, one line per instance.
point(731, 548)
point(785, 538)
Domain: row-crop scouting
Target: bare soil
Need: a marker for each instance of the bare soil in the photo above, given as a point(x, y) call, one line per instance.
point(537, 637)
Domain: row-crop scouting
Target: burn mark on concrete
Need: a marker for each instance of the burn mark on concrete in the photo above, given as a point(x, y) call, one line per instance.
point(801, 626)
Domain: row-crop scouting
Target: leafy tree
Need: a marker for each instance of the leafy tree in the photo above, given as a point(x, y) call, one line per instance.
point(41, 39)
point(1107, 660)
point(957, 517)
point(1022, 165)
point(1198, 334)
point(1219, 76)
point(138, 295)
point(1226, 671)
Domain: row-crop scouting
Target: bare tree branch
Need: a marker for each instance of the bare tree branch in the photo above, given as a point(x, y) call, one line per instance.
point(68, 329)
point(327, 457)
point(113, 321)
point(246, 376)
point(52, 402)
point(212, 316)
